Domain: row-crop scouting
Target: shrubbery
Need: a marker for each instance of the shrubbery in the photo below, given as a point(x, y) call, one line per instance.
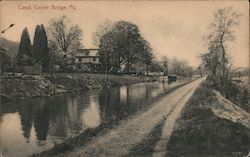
point(232, 91)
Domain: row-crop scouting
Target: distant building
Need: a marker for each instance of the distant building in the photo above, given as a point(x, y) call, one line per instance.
point(83, 56)
point(87, 56)
point(84, 60)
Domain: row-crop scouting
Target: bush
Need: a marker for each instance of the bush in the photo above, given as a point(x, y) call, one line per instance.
point(232, 91)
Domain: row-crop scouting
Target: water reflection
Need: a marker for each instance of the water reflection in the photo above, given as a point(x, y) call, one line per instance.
point(91, 116)
point(33, 125)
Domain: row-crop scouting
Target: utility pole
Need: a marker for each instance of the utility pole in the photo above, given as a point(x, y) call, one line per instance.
point(106, 68)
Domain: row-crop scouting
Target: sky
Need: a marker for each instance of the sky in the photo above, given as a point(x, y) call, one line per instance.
point(173, 28)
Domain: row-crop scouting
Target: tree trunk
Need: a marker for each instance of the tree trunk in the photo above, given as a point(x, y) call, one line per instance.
point(147, 69)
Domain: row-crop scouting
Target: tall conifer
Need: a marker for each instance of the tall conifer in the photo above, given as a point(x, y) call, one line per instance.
point(40, 46)
point(24, 56)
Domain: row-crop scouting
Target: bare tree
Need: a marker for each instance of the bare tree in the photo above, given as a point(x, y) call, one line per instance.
point(62, 37)
point(102, 29)
point(180, 67)
point(217, 61)
point(220, 33)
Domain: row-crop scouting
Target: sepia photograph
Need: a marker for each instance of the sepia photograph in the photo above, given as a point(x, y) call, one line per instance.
point(127, 78)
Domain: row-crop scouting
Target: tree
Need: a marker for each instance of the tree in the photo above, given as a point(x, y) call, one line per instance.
point(156, 66)
point(122, 46)
point(5, 59)
point(106, 50)
point(175, 67)
point(146, 56)
point(217, 61)
point(165, 64)
point(62, 37)
point(180, 67)
point(24, 56)
point(102, 29)
point(40, 50)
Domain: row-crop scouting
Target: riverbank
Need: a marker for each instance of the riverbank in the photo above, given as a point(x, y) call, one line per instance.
point(210, 125)
point(27, 86)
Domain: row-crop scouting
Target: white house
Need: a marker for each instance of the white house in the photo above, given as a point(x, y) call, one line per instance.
point(87, 56)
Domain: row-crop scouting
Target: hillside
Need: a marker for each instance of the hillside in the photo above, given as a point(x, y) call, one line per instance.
point(10, 46)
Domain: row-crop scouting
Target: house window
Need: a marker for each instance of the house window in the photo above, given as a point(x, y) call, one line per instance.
point(94, 59)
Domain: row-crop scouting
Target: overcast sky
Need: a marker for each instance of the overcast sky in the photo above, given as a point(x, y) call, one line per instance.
point(173, 28)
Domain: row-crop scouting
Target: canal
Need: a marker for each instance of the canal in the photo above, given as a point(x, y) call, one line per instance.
point(36, 124)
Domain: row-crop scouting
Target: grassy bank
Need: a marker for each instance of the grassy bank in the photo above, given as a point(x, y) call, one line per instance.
point(146, 147)
point(85, 137)
point(203, 132)
point(13, 88)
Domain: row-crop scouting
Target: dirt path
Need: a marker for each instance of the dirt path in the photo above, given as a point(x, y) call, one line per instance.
point(161, 146)
point(120, 140)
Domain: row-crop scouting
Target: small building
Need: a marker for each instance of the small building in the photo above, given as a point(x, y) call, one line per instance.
point(30, 70)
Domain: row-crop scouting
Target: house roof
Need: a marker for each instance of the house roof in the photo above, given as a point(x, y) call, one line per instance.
point(87, 53)
point(87, 56)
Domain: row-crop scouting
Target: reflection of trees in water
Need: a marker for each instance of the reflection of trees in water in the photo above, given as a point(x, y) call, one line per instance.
point(91, 117)
point(58, 116)
point(25, 109)
point(65, 117)
point(139, 93)
point(76, 105)
point(34, 111)
point(118, 103)
point(112, 107)
point(61, 115)
point(25, 112)
point(41, 120)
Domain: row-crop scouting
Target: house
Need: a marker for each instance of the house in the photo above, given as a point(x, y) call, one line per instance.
point(87, 56)
point(83, 60)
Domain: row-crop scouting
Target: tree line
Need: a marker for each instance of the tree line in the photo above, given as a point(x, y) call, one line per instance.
point(122, 48)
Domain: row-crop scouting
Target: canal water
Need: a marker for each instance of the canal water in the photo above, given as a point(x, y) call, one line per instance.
point(34, 125)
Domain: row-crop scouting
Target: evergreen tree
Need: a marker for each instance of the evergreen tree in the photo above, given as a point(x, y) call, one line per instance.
point(40, 46)
point(36, 43)
point(24, 56)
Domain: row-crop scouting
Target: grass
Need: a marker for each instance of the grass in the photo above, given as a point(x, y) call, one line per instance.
point(117, 79)
point(146, 146)
point(199, 133)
